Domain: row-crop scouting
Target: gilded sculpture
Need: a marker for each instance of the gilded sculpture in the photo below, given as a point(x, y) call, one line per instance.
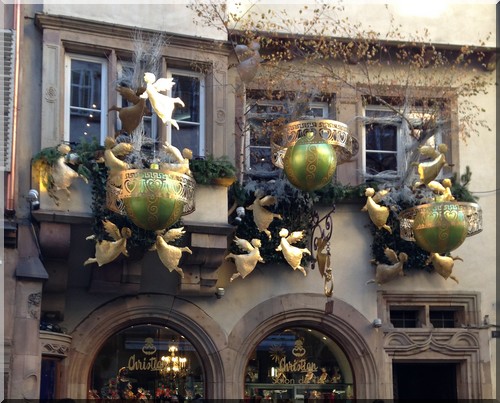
point(245, 263)
point(170, 255)
point(388, 272)
point(293, 255)
point(62, 175)
point(261, 216)
point(163, 105)
point(131, 116)
point(429, 170)
point(378, 214)
point(443, 265)
point(114, 164)
point(107, 251)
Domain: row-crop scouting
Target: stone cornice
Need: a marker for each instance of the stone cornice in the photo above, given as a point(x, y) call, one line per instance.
point(72, 24)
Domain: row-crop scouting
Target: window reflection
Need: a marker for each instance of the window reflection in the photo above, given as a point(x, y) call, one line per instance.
point(85, 100)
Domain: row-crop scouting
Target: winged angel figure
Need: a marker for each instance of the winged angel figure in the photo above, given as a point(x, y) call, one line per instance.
point(163, 105)
point(261, 216)
point(387, 272)
point(107, 251)
point(246, 263)
point(170, 255)
point(293, 255)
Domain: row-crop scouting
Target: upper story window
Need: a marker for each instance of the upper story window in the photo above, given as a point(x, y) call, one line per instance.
point(190, 88)
point(260, 115)
point(387, 140)
point(86, 98)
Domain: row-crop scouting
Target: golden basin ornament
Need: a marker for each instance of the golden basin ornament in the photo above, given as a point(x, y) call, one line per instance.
point(440, 227)
point(153, 199)
point(310, 150)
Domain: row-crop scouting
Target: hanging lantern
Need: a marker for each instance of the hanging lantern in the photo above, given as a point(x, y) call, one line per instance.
point(440, 227)
point(310, 150)
point(310, 163)
point(153, 199)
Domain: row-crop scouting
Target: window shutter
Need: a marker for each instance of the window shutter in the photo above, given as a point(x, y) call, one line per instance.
point(8, 41)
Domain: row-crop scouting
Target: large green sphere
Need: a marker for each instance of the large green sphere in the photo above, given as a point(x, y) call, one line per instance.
point(153, 199)
point(310, 163)
point(440, 227)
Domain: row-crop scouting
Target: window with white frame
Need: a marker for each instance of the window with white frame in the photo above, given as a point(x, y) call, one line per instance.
point(190, 88)
point(387, 141)
point(260, 115)
point(86, 98)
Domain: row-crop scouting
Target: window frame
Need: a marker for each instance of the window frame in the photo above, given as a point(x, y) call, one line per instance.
point(202, 101)
point(68, 58)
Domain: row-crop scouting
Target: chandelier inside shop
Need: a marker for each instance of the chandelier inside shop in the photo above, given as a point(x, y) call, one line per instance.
point(173, 364)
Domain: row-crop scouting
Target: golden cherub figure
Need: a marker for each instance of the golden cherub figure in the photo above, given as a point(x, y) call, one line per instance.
point(131, 116)
point(261, 216)
point(387, 272)
point(114, 164)
point(429, 170)
point(170, 255)
point(107, 251)
point(163, 105)
point(246, 263)
point(293, 255)
point(443, 265)
point(62, 175)
point(442, 189)
point(378, 214)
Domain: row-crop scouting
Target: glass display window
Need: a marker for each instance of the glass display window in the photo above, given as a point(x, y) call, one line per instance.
point(300, 364)
point(147, 362)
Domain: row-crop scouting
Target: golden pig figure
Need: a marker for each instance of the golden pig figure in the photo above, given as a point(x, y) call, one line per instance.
point(293, 255)
point(107, 251)
point(181, 160)
point(261, 216)
point(163, 105)
point(378, 214)
point(443, 265)
point(131, 116)
point(387, 272)
point(246, 263)
point(62, 174)
point(429, 170)
point(170, 255)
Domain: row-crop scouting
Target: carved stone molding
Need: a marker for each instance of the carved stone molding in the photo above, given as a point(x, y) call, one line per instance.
point(55, 344)
point(51, 94)
point(34, 304)
point(449, 342)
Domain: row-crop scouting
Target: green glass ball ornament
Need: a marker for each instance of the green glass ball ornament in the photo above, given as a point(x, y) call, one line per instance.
point(440, 227)
point(310, 163)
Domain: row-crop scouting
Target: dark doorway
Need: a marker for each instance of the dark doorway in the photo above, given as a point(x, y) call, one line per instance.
point(432, 381)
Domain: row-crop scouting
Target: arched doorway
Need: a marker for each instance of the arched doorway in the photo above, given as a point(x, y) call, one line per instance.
point(299, 363)
point(147, 361)
point(183, 317)
point(347, 328)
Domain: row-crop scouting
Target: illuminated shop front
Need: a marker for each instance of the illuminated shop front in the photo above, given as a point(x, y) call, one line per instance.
point(147, 361)
point(298, 363)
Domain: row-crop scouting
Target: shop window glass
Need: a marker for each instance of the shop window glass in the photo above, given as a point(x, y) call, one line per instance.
point(147, 362)
point(298, 363)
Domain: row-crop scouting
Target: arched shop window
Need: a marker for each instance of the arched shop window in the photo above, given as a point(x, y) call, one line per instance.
point(147, 362)
point(298, 363)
